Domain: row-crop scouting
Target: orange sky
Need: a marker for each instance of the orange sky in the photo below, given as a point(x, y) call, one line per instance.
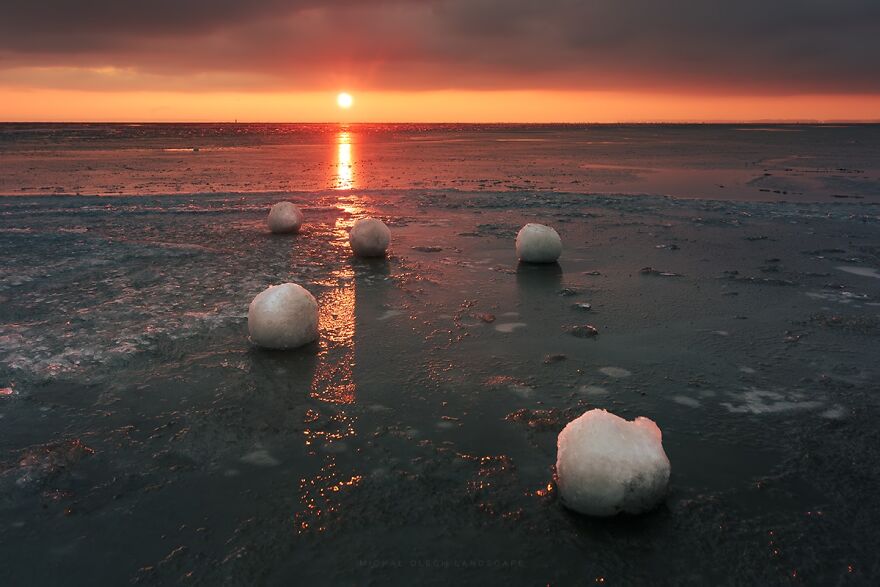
point(25, 104)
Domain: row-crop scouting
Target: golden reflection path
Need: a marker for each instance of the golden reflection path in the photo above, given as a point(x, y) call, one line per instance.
point(326, 428)
point(344, 179)
point(334, 377)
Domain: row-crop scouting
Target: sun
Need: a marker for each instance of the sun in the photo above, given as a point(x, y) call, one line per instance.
point(344, 100)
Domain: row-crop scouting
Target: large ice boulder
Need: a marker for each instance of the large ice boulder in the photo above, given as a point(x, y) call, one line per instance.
point(606, 465)
point(283, 317)
point(536, 243)
point(369, 237)
point(285, 217)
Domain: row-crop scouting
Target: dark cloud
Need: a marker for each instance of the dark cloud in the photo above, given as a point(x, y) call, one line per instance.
point(160, 17)
point(749, 46)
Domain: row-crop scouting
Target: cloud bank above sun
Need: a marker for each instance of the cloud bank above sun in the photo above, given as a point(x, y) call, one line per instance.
point(689, 47)
point(752, 45)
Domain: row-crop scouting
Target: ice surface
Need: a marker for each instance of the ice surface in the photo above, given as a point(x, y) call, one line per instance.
point(863, 271)
point(607, 465)
point(686, 401)
point(758, 401)
point(615, 372)
point(123, 324)
point(389, 314)
point(508, 327)
point(592, 390)
point(260, 458)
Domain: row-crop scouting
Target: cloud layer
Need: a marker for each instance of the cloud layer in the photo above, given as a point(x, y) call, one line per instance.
point(745, 47)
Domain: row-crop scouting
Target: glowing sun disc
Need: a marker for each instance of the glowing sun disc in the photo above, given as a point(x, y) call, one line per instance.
point(344, 100)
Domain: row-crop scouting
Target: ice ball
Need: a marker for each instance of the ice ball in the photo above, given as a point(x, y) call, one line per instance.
point(283, 317)
point(285, 217)
point(606, 465)
point(369, 237)
point(536, 243)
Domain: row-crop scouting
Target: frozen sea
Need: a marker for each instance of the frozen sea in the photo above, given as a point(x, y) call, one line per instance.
point(732, 273)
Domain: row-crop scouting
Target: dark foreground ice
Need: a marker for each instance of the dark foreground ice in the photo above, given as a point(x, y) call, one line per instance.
point(145, 440)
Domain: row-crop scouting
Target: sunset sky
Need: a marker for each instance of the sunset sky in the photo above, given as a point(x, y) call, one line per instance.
point(440, 60)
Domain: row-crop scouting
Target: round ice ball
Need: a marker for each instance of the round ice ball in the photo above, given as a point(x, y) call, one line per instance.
point(285, 217)
point(536, 243)
point(369, 237)
point(283, 317)
point(606, 465)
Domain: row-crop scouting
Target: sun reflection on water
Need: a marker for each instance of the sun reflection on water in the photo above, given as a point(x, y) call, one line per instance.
point(326, 428)
point(344, 165)
point(354, 207)
point(334, 377)
point(329, 428)
point(319, 497)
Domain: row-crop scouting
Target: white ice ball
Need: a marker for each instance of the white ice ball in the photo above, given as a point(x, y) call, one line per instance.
point(536, 243)
point(285, 217)
point(369, 237)
point(283, 317)
point(606, 465)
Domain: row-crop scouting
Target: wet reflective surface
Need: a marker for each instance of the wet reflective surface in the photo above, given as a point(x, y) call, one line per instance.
point(344, 179)
point(144, 440)
point(825, 163)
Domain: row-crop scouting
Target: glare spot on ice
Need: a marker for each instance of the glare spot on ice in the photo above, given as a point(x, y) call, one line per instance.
point(389, 314)
point(616, 372)
point(835, 413)
point(592, 390)
point(757, 401)
point(34, 347)
point(686, 401)
point(841, 297)
point(524, 391)
point(335, 447)
point(863, 271)
point(260, 458)
point(508, 327)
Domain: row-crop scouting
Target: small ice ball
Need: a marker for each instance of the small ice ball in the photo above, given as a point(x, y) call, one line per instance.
point(369, 237)
point(536, 243)
point(283, 317)
point(606, 465)
point(285, 217)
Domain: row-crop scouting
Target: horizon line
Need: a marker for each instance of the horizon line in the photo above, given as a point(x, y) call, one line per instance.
point(777, 121)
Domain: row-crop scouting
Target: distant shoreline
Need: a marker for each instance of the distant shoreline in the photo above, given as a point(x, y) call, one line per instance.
point(476, 124)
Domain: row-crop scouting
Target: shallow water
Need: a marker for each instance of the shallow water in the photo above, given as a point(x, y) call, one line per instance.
point(145, 440)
